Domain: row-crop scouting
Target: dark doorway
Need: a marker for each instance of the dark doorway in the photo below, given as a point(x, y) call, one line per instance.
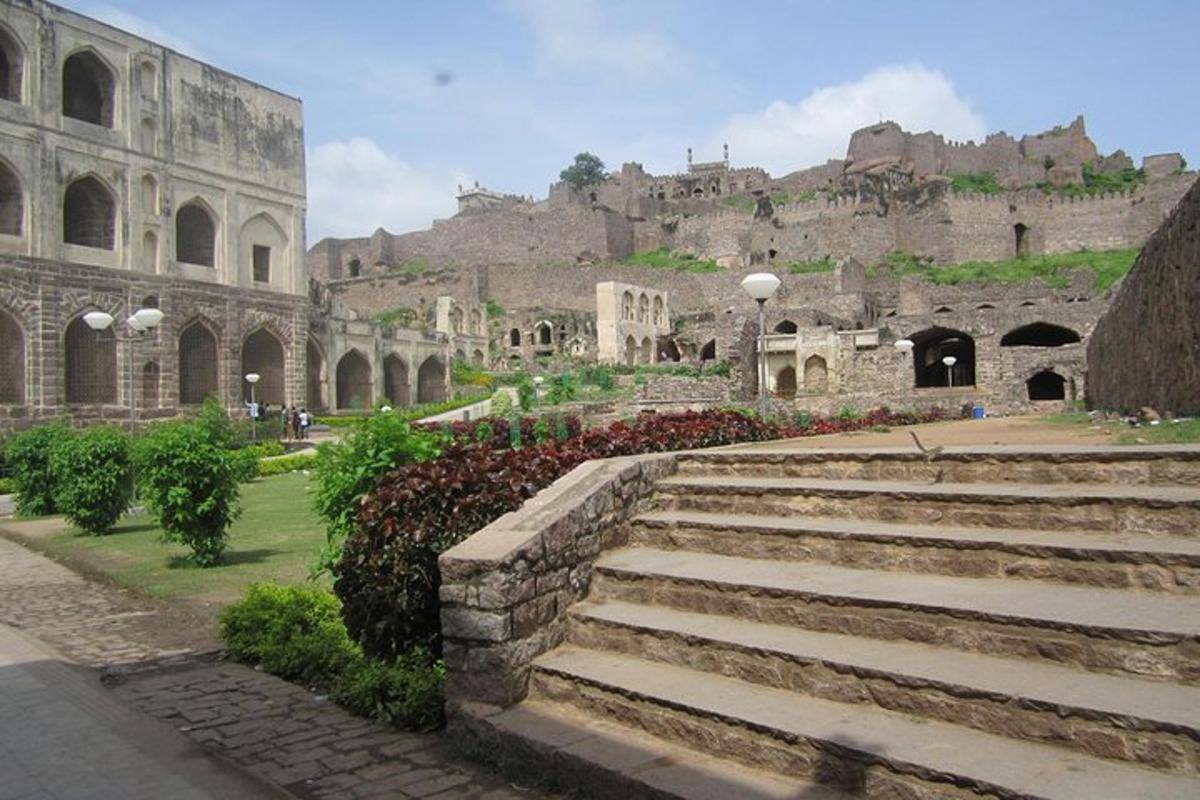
point(785, 383)
point(1047, 386)
point(1039, 334)
point(1021, 240)
point(934, 344)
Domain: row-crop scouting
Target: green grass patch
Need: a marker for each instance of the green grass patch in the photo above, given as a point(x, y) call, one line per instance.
point(807, 267)
point(663, 258)
point(275, 539)
point(1186, 431)
point(400, 316)
point(1094, 183)
point(740, 203)
point(1053, 270)
point(494, 309)
point(975, 182)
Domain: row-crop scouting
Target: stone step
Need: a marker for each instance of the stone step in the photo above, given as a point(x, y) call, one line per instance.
point(1112, 560)
point(1158, 464)
point(1141, 633)
point(874, 752)
point(556, 746)
point(1170, 510)
point(1152, 723)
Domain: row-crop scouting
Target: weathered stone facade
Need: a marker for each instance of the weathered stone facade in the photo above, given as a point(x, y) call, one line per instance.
point(1145, 350)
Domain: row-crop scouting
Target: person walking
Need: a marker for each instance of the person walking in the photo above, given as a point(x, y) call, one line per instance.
point(296, 423)
point(305, 421)
point(285, 418)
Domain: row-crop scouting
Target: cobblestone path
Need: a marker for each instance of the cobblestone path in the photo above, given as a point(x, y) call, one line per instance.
point(165, 662)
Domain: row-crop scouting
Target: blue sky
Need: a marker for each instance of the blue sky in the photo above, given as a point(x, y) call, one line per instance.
point(526, 84)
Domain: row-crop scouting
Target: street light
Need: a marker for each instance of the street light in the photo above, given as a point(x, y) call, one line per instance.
point(760, 286)
point(253, 378)
point(141, 321)
point(904, 345)
point(949, 361)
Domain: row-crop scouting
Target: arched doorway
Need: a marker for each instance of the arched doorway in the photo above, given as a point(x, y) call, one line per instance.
point(354, 381)
point(670, 351)
point(12, 360)
point(545, 334)
point(1020, 240)
point(787, 326)
point(262, 352)
point(646, 352)
point(197, 363)
point(816, 375)
point(709, 351)
point(631, 351)
point(934, 344)
point(12, 67)
point(431, 381)
point(1039, 334)
point(785, 383)
point(314, 375)
point(395, 380)
point(1047, 385)
point(514, 337)
point(90, 364)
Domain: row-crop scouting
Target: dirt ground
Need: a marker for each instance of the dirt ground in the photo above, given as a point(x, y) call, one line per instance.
point(964, 433)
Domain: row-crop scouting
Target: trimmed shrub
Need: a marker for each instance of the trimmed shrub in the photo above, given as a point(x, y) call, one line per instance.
point(28, 457)
point(526, 392)
point(502, 403)
point(8, 486)
point(285, 464)
point(190, 485)
point(94, 478)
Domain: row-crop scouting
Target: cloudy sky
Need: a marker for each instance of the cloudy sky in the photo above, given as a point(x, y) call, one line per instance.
point(405, 100)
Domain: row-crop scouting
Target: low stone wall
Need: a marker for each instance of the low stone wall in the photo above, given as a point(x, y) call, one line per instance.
point(505, 591)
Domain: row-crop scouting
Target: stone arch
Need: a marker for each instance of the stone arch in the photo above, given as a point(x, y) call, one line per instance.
point(460, 354)
point(709, 351)
point(931, 346)
point(1039, 334)
point(785, 382)
point(12, 360)
point(431, 381)
point(150, 301)
point(631, 350)
point(477, 356)
point(149, 195)
point(456, 319)
point(985, 307)
point(354, 381)
point(12, 66)
point(1046, 385)
point(354, 267)
point(12, 201)
point(477, 327)
point(787, 326)
point(670, 350)
point(150, 252)
point(646, 351)
point(627, 306)
point(196, 234)
point(151, 375)
point(198, 368)
point(544, 333)
point(643, 308)
point(89, 88)
point(262, 245)
point(1020, 240)
point(315, 379)
point(816, 375)
point(514, 337)
point(658, 310)
point(395, 380)
point(89, 364)
point(943, 310)
point(263, 352)
point(89, 213)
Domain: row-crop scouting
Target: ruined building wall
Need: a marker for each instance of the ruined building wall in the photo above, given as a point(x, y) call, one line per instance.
point(1146, 349)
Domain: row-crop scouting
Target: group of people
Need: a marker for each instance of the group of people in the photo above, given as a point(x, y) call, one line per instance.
point(294, 422)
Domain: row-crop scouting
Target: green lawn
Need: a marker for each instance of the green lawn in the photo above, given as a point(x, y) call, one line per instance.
point(276, 538)
point(1186, 431)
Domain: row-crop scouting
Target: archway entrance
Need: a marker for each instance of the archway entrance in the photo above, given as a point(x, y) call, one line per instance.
point(816, 375)
point(934, 344)
point(431, 381)
point(263, 353)
point(1047, 385)
point(314, 376)
point(785, 383)
point(395, 380)
point(1039, 334)
point(354, 381)
point(91, 364)
point(197, 364)
point(12, 360)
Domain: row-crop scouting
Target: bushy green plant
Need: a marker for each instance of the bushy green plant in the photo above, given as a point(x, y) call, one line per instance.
point(28, 457)
point(8, 486)
point(190, 484)
point(494, 309)
point(600, 375)
point(284, 464)
point(562, 389)
point(269, 449)
point(94, 479)
point(977, 182)
point(526, 392)
point(502, 403)
point(464, 373)
point(347, 470)
point(407, 692)
point(846, 413)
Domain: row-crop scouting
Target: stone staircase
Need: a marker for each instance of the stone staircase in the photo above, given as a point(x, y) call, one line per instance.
point(804, 624)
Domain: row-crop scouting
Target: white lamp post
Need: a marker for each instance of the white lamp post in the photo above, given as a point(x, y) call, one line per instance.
point(253, 378)
point(761, 286)
point(949, 361)
point(141, 321)
point(903, 345)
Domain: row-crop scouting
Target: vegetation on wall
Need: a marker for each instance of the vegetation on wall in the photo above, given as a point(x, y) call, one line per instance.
point(663, 258)
point(1095, 183)
point(400, 316)
point(494, 309)
point(826, 264)
point(975, 182)
point(586, 170)
point(1053, 270)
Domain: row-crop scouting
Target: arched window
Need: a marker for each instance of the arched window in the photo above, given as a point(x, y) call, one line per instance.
point(785, 383)
point(195, 235)
point(262, 353)
point(514, 338)
point(12, 360)
point(90, 364)
point(477, 356)
point(477, 322)
point(658, 310)
point(354, 381)
point(197, 363)
point(643, 308)
point(150, 378)
point(934, 344)
point(545, 334)
point(460, 355)
point(89, 214)
point(150, 253)
point(395, 380)
point(314, 375)
point(88, 89)
point(12, 202)
point(1039, 334)
point(709, 351)
point(12, 67)
point(984, 307)
point(627, 306)
point(787, 326)
point(816, 375)
point(1047, 385)
point(631, 351)
point(456, 319)
point(646, 352)
point(262, 245)
point(355, 267)
point(431, 381)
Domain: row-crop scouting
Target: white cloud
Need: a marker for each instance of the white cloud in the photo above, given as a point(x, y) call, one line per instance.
point(785, 137)
point(576, 34)
point(356, 186)
point(140, 26)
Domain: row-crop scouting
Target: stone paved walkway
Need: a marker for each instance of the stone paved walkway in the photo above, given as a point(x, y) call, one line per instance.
point(164, 662)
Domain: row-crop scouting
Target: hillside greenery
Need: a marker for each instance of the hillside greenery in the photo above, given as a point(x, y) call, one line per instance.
point(975, 182)
point(663, 258)
point(1053, 270)
point(826, 264)
point(1095, 183)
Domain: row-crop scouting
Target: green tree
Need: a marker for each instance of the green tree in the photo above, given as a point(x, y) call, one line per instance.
point(92, 469)
point(190, 484)
point(28, 455)
point(586, 170)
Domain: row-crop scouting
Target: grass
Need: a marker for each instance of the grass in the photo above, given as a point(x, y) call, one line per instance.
point(1184, 431)
point(807, 267)
point(1095, 183)
point(663, 258)
point(1053, 270)
point(276, 539)
point(976, 182)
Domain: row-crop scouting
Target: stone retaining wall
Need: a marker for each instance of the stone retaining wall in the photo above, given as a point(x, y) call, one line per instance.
point(505, 591)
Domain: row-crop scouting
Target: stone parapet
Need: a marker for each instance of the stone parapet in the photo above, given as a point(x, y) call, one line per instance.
point(505, 591)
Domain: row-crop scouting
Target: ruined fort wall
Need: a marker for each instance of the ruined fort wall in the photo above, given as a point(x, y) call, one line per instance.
point(1146, 349)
